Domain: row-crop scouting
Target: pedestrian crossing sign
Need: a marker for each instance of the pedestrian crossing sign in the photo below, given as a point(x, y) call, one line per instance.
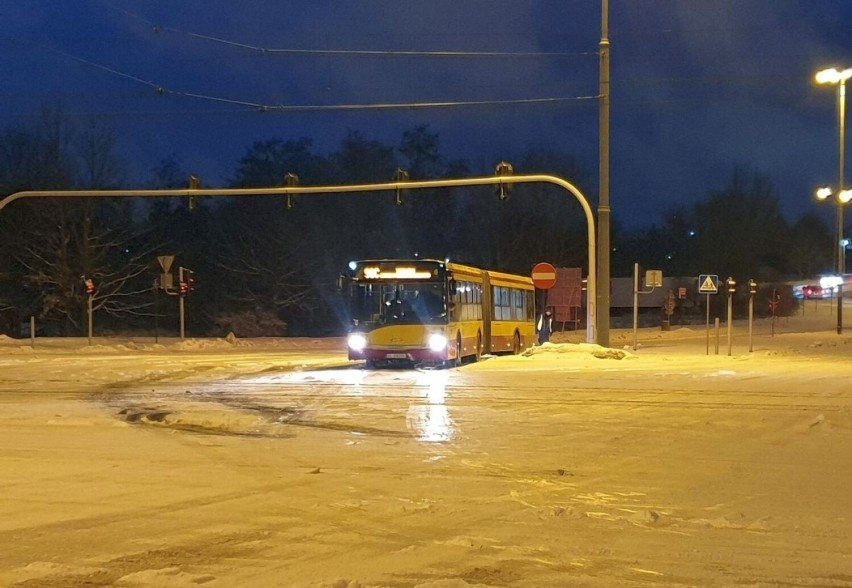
point(708, 284)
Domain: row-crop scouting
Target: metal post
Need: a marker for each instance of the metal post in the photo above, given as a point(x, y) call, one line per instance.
point(707, 323)
point(603, 203)
point(730, 321)
point(90, 318)
point(182, 330)
point(750, 323)
point(180, 302)
point(156, 310)
point(841, 250)
point(716, 327)
point(635, 304)
point(32, 331)
point(774, 306)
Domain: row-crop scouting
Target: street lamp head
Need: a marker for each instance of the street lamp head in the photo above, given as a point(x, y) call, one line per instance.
point(833, 76)
point(843, 197)
point(823, 193)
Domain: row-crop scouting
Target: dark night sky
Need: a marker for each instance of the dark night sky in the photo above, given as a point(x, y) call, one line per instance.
point(699, 86)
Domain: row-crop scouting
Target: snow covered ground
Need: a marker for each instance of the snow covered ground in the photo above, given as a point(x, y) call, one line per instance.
point(279, 463)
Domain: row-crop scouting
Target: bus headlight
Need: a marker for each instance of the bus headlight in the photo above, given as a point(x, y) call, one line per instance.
point(357, 342)
point(437, 342)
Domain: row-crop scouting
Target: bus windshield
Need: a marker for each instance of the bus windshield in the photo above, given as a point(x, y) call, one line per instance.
point(407, 302)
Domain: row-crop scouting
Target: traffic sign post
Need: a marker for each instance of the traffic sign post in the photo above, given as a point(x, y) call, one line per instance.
point(732, 288)
point(752, 290)
point(708, 284)
point(654, 279)
point(90, 293)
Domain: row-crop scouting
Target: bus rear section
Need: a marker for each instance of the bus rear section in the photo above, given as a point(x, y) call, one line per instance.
point(511, 313)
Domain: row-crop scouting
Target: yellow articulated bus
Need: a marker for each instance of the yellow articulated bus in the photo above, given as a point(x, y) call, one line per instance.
point(424, 311)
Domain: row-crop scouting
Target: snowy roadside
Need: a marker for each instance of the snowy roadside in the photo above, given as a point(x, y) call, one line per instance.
point(74, 365)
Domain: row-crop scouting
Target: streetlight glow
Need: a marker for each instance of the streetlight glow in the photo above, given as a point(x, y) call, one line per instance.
point(824, 193)
point(833, 76)
point(844, 196)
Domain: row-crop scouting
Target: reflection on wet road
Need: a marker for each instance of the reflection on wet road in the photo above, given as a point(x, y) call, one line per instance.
point(431, 421)
point(272, 405)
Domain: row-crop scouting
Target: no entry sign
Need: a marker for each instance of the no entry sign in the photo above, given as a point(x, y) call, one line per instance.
point(544, 276)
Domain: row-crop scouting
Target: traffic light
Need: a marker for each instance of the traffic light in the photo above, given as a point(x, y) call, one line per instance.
point(504, 169)
point(400, 175)
point(186, 281)
point(731, 284)
point(90, 285)
point(291, 180)
point(752, 287)
point(194, 184)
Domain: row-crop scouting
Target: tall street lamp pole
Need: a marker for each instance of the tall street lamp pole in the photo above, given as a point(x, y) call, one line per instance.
point(838, 78)
point(603, 294)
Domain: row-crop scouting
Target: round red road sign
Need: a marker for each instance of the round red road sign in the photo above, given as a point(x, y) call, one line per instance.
point(544, 275)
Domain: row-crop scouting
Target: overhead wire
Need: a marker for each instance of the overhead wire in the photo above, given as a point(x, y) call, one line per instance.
point(351, 52)
point(267, 107)
point(264, 107)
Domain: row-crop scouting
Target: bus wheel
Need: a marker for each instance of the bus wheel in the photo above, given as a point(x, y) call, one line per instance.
point(478, 347)
point(516, 344)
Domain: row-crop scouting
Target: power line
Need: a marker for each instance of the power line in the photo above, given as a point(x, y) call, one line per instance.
point(352, 52)
point(160, 89)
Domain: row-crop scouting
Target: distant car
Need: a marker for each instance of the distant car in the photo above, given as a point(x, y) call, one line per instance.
point(812, 291)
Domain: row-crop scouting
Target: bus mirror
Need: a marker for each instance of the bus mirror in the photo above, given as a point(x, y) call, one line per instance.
point(453, 288)
point(342, 281)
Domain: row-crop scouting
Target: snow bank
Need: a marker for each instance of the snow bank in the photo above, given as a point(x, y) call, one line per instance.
point(572, 350)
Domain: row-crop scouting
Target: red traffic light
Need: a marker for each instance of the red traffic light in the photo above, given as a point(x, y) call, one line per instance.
point(186, 279)
point(90, 285)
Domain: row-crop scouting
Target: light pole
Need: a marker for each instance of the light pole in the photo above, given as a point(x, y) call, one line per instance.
point(838, 78)
point(604, 211)
point(842, 197)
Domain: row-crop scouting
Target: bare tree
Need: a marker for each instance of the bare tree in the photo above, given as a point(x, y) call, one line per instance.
point(57, 242)
point(270, 290)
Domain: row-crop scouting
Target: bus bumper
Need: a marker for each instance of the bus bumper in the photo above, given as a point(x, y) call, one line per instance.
point(400, 355)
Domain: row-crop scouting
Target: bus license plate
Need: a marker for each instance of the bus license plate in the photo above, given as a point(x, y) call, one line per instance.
point(397, 356)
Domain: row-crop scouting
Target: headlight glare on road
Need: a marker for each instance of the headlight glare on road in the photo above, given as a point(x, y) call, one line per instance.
point(437, 342)
point(357, 342)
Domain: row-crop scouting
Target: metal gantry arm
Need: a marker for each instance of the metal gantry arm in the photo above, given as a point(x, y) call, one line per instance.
point(591, 322)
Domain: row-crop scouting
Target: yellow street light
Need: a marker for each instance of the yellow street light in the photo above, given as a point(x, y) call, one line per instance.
point(833, 76)
point(824, 193)
point(838, 78)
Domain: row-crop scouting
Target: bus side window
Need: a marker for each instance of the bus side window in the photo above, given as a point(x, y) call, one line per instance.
point(518, 305)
